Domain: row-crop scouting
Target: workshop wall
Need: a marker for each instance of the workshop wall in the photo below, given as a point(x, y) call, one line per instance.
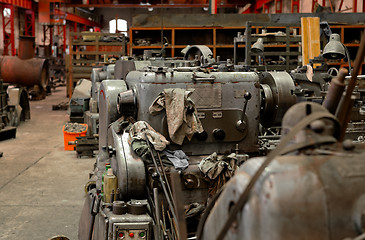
point(128, 13)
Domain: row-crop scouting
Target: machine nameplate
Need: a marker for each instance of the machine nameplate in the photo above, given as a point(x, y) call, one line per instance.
point(206, 95)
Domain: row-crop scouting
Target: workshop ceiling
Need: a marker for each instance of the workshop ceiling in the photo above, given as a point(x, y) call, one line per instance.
point(158, 3)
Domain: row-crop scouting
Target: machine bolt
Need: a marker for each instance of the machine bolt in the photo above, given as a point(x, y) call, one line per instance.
point(348, 145)
point(189, 183)
point(155, 175)
point(241, 125)
point(318, 126)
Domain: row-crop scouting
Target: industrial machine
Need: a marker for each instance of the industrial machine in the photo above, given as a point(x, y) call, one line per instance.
point(14, 108)
point(209, 113)
point(308, 187)
point(223, 107)
point(312, 188)
point(212, 114)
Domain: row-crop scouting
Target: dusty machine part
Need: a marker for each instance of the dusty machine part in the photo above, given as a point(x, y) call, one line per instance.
point(295, 189)
point(79, 102)
point(201, 52)
point(334, 94)
point(219, 104)
point(122, 68)
point(27, 72)
point(278, 95)
point(108, 95)
point(85, 146)
point(127, 103)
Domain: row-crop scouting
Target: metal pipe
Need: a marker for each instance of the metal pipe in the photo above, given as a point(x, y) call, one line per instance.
point(157, 210)
point(27, 72)
point(335, 91)
point(163, 183)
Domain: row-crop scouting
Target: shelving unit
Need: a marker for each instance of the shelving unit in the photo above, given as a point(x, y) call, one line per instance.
point(220, 41)
point(216, 38)
point(88, 50)
point(282, 46)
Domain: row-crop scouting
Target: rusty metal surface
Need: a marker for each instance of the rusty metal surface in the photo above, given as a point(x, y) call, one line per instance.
point(27, 72)
point(298, 197)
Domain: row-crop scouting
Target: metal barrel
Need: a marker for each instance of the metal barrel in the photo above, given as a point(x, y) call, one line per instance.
point(28, 72)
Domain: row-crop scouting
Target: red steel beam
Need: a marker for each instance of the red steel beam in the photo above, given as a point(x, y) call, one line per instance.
point(9, 40)
point(295, 6)
point(354, 7)
point(29, 23)
point(27, 4)
point(64, 38)
point(262, 4)
point(230, 5)
point(77, 19)
point(61, 32)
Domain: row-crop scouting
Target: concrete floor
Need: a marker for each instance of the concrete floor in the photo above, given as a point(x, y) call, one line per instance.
point(41, 184)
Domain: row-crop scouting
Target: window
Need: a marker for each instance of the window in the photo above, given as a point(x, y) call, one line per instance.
point(119, 26)
point(7, 12)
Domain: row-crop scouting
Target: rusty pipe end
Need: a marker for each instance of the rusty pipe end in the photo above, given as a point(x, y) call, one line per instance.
point(342, 73)
point(335, 91)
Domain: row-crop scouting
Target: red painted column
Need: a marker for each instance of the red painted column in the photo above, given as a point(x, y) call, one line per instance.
point(29, 18)
point(295, 6)
point(354, 7)
point(51, 30)
point(8, 30)
point(64, 38)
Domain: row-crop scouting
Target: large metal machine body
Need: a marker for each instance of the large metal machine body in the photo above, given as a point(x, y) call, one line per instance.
point(319, 196)
point(226, 99)
point(219, 99)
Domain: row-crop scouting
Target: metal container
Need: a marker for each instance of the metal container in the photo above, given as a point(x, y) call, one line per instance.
point(27, 72)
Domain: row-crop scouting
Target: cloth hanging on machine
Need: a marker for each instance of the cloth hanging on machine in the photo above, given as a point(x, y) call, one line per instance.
point(219, 169)
point(137, 140)
point(178, 158)
point(140, 129)
point(181, 114)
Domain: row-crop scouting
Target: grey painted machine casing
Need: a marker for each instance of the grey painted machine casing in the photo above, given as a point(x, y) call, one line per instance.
point(108, 94)
point(219, 104)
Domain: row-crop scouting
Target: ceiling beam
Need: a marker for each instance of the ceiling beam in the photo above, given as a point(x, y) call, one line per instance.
point(151, 5)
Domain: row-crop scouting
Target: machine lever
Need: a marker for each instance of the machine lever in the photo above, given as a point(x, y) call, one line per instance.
point(247, 97)
point(241, 125)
